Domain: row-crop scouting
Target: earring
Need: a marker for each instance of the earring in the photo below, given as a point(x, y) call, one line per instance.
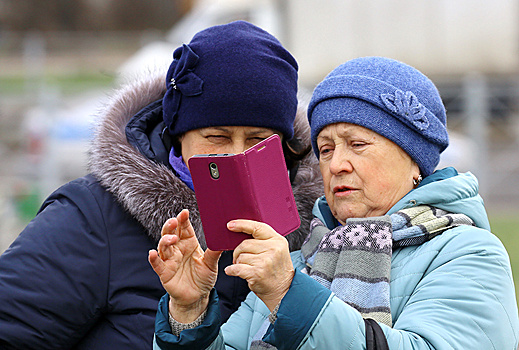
point(417, 181)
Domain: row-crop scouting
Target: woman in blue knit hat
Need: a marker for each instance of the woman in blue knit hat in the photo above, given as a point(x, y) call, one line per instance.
point(399, 255)
point(77, 276)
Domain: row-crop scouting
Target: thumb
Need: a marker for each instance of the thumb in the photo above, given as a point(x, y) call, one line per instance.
point(211, 258)
point(258, 230)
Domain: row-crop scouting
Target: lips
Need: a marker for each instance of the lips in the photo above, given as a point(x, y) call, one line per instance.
point(342, 189)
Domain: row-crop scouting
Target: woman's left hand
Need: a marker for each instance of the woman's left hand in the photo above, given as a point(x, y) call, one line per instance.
point(263, 261)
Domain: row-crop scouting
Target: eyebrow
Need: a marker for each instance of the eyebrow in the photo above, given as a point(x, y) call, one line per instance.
point(348, 132)
point(324, 138)
point(220, 128)
point(258, 131)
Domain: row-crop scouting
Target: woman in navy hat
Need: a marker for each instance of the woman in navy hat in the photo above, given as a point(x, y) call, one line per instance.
point(77, 276)
point(399, 255)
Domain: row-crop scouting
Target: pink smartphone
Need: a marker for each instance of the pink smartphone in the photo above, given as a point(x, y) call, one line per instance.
point(251, 185)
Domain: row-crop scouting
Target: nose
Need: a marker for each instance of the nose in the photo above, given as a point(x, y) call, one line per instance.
point(340, 162)
point(238, 146)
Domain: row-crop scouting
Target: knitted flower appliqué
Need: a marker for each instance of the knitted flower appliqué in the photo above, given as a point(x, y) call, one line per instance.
point(407, 106)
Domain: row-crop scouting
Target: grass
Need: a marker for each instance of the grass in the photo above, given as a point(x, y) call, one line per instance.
point(67, 83)
point(506, 227)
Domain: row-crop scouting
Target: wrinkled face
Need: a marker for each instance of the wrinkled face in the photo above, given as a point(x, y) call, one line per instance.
point(364, 173)
point(221, 139)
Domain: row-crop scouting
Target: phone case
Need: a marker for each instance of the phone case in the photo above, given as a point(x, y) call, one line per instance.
point(251, 185)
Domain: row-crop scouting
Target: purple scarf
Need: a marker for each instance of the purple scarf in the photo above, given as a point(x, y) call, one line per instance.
point(180, 168)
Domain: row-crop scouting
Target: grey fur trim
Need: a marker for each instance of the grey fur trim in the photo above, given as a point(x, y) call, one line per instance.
point(151, 192)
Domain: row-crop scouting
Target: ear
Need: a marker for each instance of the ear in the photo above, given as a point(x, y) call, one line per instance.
point(176, 144)
point(417, 176)
point(415, 170)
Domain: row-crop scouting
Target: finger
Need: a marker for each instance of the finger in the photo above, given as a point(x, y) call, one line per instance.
point(153, 256)
point(250, 246)
point(243, 271)
point(169, 227)
point(274, 244)
point(184, 224)
point(247, 259)
point(163, 271)
point(258, 230)
point(156, 262)
point(255, 246)
point(166, 246)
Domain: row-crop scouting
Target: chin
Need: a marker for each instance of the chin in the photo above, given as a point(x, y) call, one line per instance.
point(343, 215)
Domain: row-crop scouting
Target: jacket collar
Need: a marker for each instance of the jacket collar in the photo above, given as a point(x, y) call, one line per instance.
point(144, 132)
point(448, 190)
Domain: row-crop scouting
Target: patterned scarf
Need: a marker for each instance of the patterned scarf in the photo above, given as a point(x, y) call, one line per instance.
point(354, 260)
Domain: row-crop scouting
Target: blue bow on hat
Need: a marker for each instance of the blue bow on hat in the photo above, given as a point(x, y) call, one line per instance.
point(182, 82)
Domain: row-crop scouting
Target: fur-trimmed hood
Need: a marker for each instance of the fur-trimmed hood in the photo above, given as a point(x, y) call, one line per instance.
point(148, 189)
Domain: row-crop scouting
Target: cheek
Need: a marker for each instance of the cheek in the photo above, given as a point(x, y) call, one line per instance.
point(325, 173)
point(378, 180)
point(191, 149)
point(387, 184)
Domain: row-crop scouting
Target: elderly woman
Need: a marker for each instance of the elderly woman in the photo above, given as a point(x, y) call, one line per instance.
point(398, 254)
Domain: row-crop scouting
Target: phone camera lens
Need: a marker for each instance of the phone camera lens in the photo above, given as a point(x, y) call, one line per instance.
point(213, 169)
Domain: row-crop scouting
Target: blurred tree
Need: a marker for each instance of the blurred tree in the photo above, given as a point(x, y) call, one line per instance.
point(48, 15)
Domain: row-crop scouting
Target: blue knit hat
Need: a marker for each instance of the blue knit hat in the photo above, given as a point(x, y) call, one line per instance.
point(389, 98)
point(234, 74)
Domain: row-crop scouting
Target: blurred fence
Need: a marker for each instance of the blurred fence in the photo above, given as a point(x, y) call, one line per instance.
point(485, 109)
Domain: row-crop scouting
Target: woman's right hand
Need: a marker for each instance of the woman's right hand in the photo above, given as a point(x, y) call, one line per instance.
point(187, 272)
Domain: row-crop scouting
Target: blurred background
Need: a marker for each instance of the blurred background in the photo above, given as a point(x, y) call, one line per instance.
point(60, 60)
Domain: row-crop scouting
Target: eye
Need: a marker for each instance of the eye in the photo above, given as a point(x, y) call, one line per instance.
point(255, 139)
point(358, 144)
point(217, 137)
point(325, 150)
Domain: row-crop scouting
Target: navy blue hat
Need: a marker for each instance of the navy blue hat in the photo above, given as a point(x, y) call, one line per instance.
point(388, 97)
point(234, 74)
